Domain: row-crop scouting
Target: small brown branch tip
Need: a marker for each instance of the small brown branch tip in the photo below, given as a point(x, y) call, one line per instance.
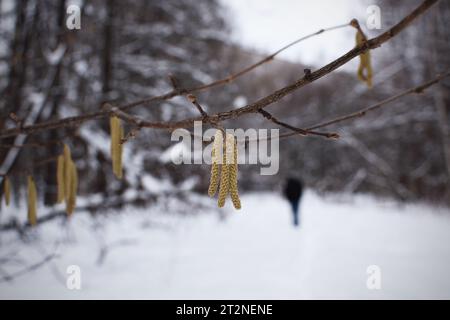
point(354, 23)
point(307, 73)
point(192, 98)
point(334, 136)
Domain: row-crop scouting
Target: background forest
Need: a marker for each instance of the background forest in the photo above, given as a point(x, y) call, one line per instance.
point(126, 51)
point(129, 50)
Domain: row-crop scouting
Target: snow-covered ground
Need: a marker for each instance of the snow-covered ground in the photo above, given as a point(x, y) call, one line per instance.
point(252, 254)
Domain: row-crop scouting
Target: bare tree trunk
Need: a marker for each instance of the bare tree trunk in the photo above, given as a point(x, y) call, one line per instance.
point(16, 76)
point(441, 108)
point(20, 45)
point(57, 95)
point(108, 48)
point(440, 96)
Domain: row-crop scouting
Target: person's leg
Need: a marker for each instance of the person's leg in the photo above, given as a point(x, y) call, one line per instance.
point(295, 212)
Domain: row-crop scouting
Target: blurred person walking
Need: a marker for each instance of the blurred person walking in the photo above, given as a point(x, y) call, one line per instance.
point(293, 192)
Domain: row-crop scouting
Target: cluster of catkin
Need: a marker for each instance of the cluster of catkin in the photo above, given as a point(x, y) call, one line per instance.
point(67, 175)
point(67, 179)
point(31, 194)
point(116, 145)
point(365, 72)
point(224, 169)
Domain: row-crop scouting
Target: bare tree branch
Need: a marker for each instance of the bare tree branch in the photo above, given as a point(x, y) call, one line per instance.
point(415, 90)
point(177, 91)
point(419, 89)
point(139, 123)
point(302, 132)
point(233, 114)
point(269, 58)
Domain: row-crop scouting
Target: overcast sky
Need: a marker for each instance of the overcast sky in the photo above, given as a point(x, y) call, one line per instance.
point(267, 25)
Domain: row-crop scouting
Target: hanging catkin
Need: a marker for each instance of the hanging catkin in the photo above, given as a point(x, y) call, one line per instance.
point(67, 174)
point(224, 181)
point(216, 154)
point(67, 179)
point(365, 66)
point(116, 145)
point(32, 199)
point(119, 154)
point(7, 190)
point(228, 176)
point(71, 201)
point(233, 172)
point(60, 179)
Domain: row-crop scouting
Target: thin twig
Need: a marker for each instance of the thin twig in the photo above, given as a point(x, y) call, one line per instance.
point(269, 58)
point(193, 100)
point(362, 112)
point(300, 131)
point(419, 89)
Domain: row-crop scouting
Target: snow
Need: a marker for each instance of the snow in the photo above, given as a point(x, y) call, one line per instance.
point(239, 102)
point(54, 57)
point(175, 152)
point(155, 185)
point(254, 253)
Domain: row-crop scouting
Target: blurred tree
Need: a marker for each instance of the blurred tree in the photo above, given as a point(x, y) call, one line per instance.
point(123, 51)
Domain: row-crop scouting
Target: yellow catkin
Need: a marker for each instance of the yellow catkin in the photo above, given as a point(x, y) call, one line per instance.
point(119, 154)
point(116, 132)
point(67, 174)
point(113, 133)
point(71, 201)
point(7, 190)
point(229, 173)
point(224, 180)
point(60, 179)
point(216, 154)
point(32, 201)
point(364, 61)
point(233, 172)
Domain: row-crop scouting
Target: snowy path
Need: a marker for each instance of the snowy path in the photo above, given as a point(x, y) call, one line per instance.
point(253, 254)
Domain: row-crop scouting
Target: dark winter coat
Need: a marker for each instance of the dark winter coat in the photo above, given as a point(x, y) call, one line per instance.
point(293, 189)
